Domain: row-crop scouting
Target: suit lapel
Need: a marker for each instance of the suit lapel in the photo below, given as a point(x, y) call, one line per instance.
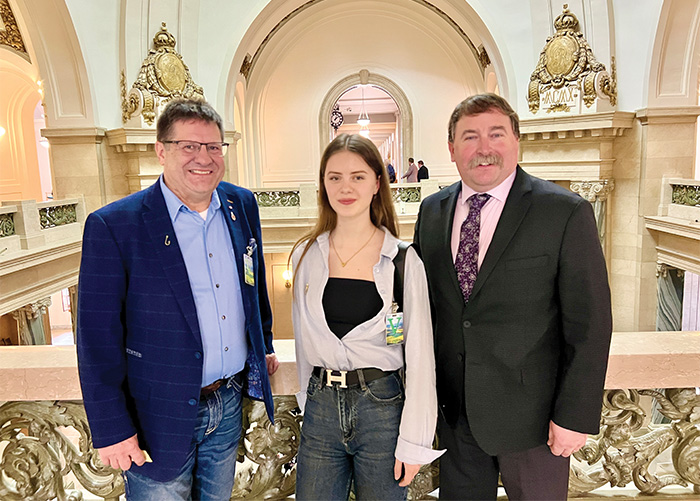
point(240, 235)
point(167, 249)
point(517, 205)
point(445, 218)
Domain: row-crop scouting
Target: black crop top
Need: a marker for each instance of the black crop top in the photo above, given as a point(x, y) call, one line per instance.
point(348, 302)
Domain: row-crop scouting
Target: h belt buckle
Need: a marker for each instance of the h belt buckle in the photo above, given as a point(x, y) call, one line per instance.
point(340, 379)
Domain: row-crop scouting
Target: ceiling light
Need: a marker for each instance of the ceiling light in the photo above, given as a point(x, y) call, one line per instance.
point(363, 118)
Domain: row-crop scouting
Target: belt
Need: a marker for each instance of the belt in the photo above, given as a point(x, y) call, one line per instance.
point(211, 388)
point(349, 378)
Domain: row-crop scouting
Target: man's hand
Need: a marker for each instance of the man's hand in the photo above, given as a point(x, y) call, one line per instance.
point(272, 363)
point(409, 471)
point(122, 454)
point(563, 442)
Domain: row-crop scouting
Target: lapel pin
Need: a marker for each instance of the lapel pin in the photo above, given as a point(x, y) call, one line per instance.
point(233, 216)
point(167, 240)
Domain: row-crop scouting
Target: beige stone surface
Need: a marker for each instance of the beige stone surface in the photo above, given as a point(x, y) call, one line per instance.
point(654, 360)
point(637, 360)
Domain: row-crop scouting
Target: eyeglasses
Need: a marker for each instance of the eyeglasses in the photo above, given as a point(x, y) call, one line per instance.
point(192, 148)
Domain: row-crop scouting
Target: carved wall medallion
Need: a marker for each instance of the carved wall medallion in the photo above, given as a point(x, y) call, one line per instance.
point(10, 35)
point(163, 77)
point(568, 72)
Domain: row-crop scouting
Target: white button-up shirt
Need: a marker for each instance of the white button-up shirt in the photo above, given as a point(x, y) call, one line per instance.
point(365, 345)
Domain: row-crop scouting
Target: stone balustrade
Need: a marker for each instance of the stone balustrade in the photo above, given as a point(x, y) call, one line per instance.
point(39, 249)
point(43, 427)
point(676, 226)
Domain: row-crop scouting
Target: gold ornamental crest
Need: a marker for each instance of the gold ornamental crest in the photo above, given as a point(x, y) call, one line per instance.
point(567, 71)
point(163, 76)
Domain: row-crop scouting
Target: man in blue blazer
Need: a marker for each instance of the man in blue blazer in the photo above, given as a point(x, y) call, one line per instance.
point(174, 321)
point(522, 316)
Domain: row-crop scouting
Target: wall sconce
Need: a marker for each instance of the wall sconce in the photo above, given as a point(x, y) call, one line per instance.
point(287, 275)
point(2, 131)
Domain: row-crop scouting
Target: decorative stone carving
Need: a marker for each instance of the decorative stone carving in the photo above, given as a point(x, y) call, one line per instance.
point(408, 194)
point(39, 453)
point(627, 450)
point(7, 225)
point(685, 195)
point(30, 322)
point(10, 35)
point(58, 215)
point(277, 198)
point(567, 71)
point(662, 270)
point(163, 77)
point(593, 190)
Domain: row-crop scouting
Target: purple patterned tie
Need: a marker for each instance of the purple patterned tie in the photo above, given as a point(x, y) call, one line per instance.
point(467, 261)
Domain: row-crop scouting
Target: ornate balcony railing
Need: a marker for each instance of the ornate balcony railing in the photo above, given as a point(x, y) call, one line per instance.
point(39, 249)
point(277, 198)
point(47, 447)
point(57, 214)
point(686, 194)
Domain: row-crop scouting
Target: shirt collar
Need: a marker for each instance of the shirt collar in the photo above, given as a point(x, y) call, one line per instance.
point(174, 204)
point(499, 192)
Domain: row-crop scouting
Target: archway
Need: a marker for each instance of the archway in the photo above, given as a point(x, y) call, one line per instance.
point(364, 77)
point(427, 54)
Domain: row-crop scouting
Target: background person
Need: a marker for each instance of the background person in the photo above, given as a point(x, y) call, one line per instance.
point(174, 320)
point(523, 318)
point(360, 425)
point(422, 171)
point(390, 171)
point(411, 175)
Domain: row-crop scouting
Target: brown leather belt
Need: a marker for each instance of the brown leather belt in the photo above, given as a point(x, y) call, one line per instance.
point(211, 388)
point(349, 378)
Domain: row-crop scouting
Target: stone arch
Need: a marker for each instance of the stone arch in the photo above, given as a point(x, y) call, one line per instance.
point(394, 90)
point(54, 48)
point(675, 64)
point(452, 28)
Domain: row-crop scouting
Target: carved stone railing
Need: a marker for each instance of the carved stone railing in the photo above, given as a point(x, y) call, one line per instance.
point(686, 194)
point(52, 214)
point(624, 450)
point(676, 226)
point(42, 254)
point(7, 224)
point(47, 440)
point(406, 194)
point(275, 198)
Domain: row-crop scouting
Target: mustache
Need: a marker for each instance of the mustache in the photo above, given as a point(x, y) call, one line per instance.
point(485, 159)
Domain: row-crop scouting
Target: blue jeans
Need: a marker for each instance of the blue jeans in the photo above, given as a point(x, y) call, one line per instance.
point(210, 467)
point(349, 436)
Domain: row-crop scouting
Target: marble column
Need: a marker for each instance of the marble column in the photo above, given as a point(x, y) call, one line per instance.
point(30, 321)
point(669, 293)
point(597, 193)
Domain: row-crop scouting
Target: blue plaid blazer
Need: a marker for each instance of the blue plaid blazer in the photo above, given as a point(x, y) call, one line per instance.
point(139, 345)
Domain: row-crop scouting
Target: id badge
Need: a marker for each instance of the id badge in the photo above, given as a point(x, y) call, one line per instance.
point(248, 269)
point(394, 328)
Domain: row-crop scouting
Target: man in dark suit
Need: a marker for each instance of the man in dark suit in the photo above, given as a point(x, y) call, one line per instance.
point(174, 321)
point(522, 316)
point(422, 171)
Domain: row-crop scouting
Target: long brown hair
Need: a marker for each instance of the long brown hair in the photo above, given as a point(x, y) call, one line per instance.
point(381, 211)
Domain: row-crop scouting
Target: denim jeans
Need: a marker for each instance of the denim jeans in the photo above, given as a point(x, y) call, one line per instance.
point(210, 467)
point(349, 437)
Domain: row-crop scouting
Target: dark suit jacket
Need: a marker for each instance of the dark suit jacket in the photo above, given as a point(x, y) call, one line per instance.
point(532, 343)
point(139, 345)
point(423, 173)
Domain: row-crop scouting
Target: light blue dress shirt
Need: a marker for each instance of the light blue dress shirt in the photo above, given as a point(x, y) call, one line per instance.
point(213, 275)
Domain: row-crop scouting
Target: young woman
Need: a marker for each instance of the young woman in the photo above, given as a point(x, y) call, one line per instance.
point(361, 426)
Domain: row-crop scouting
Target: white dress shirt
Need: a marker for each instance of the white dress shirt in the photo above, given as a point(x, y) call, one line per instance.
point(365, 345)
